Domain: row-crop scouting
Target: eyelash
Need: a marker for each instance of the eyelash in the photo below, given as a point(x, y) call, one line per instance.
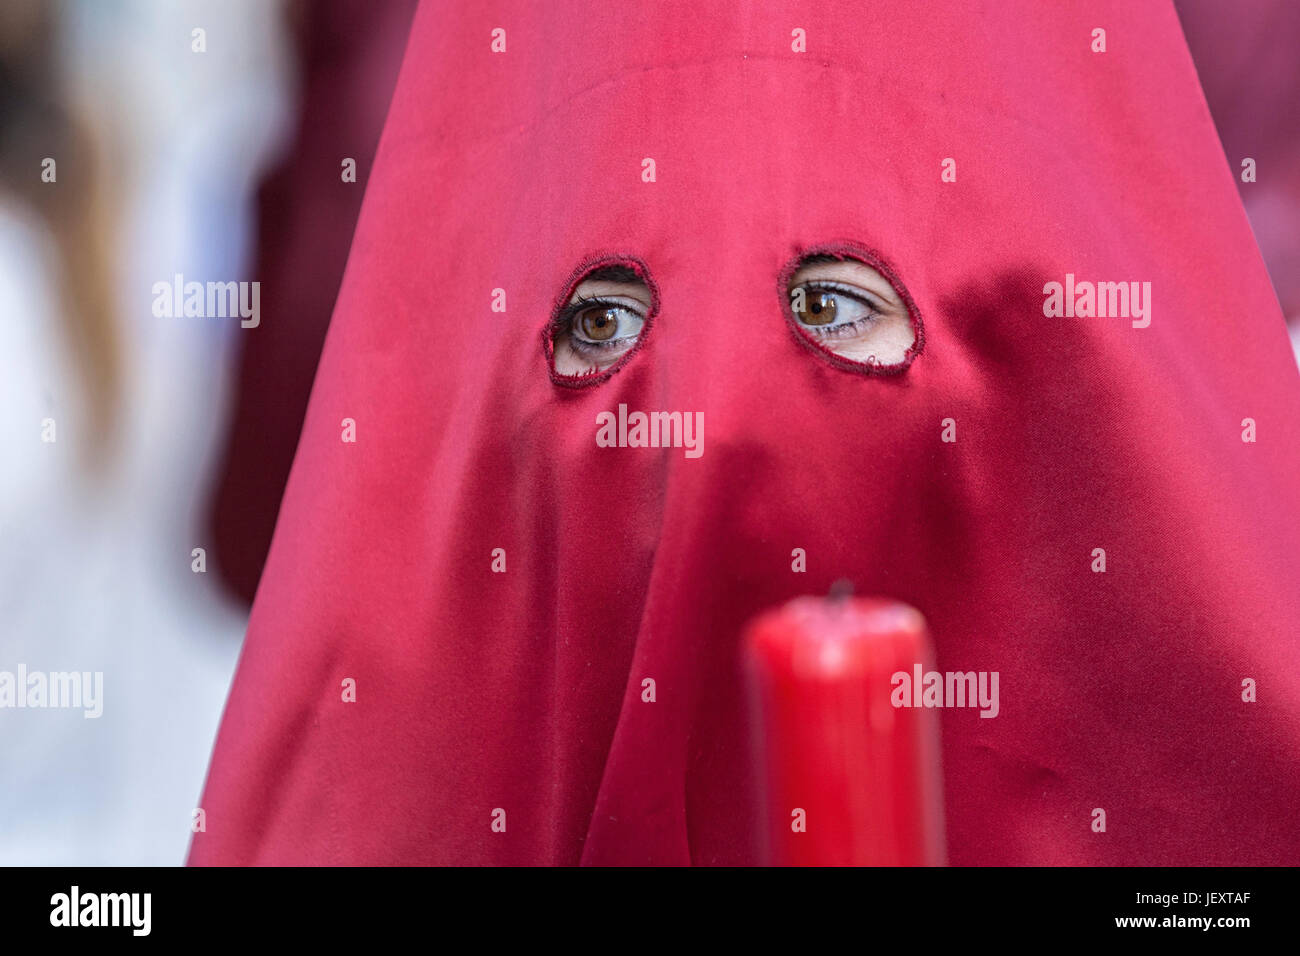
point(564, 323)
point(846, 328)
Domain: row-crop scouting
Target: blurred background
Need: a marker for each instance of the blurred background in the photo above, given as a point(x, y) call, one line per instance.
point(144, 457)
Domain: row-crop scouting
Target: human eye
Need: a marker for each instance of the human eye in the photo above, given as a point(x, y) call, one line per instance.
point(846, 307)
point(834, 309)
point(601, 323)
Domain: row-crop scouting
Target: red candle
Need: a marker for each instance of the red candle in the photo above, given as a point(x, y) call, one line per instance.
point(851, 779)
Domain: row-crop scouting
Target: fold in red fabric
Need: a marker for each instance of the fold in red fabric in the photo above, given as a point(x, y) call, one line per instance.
point(400, 702)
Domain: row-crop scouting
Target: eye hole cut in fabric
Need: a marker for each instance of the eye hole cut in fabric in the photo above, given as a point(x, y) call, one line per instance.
point(844, 250)
point(554, 323)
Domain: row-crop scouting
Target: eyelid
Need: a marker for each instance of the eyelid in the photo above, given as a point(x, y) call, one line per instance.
point(865, 296)
point(830, 285)
point(619, 301)
point(582, 303)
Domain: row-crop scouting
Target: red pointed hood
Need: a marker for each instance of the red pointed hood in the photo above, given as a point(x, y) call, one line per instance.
point(479, 690)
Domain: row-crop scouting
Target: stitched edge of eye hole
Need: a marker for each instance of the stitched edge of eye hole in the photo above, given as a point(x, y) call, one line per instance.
point(576, 278)
point(842, 251)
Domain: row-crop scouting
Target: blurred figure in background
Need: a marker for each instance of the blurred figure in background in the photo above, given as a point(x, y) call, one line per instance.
point(1245, 56)
point(307, 209)
point(159, 134)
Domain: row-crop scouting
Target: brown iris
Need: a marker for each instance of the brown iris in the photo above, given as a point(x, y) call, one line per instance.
point(598, 324)
point(819, 309)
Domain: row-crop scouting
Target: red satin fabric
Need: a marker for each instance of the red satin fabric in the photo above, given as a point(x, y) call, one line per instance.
point(522, 690)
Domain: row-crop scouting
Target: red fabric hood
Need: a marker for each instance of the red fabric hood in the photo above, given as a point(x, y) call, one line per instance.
point(522, 691)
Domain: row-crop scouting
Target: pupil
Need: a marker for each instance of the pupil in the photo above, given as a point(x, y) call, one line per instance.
point(600, 324)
